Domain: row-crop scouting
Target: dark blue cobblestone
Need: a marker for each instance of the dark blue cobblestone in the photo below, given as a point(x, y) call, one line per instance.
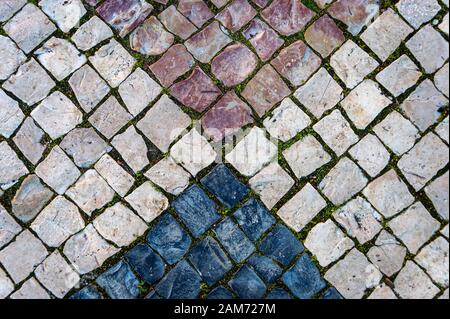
point(279, 293)
point(220, 293)
point(182, 282)
point(119, 282)
point(148, 265)
point(266, 268)
point(331, 293)
point(89, 292)
point(247, 285)
point(254, 218)
point(234, 240)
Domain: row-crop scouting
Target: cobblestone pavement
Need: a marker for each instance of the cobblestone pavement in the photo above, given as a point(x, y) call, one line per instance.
point(224, 149)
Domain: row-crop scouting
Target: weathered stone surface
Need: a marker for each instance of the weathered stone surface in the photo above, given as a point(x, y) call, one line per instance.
point(30, 198)
point(114, 175)
point(57, 222)
point(87, 250)
point(132, 148)
point(382, 292)
point(66, 13)
point(371, 155)
point(147, 202)
point(31, 289)
point(110, 117)
point(227, 117)
point(306, 156)
point(263, 38)
point(6, 285)
point(302, 208)
point(11, 167)
point(444, 26)
point(219, 3)
point(252, 153)
point(296, 63)
point(9, 228)
point(208, 42)
point(234, 240)
point(195, 10)
point(236, 15)
point(29, 28)
point(356, 14)
point(320, 93)
point(174, 63)
point(287, 16)
point(8, 8)
point(176, 23)
point(353, 275)
point(182, 282)
point(119, 282)
point(12, 57)
point(438, 193)
point(418, 12)
point(441, 80)
point(443, 130)
point(30, 83)
point(151, 38)
point(91, 33)
point(124, 16)
point(234, 64)
point(169, 176)
point(324, 36)
point(11, 116)
point(265, 90)
point(413, 283)
point(434, 258)
point(21, 256)
point(58, 171)
point(29, 140)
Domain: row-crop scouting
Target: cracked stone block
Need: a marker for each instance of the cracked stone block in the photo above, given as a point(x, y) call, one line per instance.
point(169, 239)
point(355, 14)
point(252, 153)
point(281, 245)
point(193, 152)
point(353, 275)
point(11, 115)
point(254, 219)
point(151, 38)
point(57, 222)
point(182, 282)
point(91, 192)
point(352, 64)
point(388, 194)
point(29, 28)
point(227, 117)
point(110, 117)
point(443, 130)
point(263, 38)
point(320, 94)
point(12, 57)
point(169, 176)
point(445, 24)
point(234, 64)
point(138, 91)
point(386, 34)
point(286, 121)
point(57, 275)
point(91, 33)
point(287, 16)
point(418, 12)
point(84, 146)
point(324, 36)
point(146, 263)
point(6, 285)
point(306, 156)
point(58, 171)
point(265, 268)
point(87, 250)
point(198, 91)
point(147, 202)
point(441, 80)
point(119, 225)
point(297, 63)
point(8, 8)
point(22, 256)
point(414, 227)
point(208, 42)
point(399, 76)
point(434, 259)
point(173, 64)
point(359, 219)
point(133, 149)
point(364, 103)
point(9, 228)
point(89, 87)
point(429, 48)
point(119, 282)
point(30, 198)
point(236, 15)
point(327, 242)
point(113, 62)
point(423, 162)
point(397, 133)
point(176, 23)
point(233, 239)
point(370, 154)
point(57, 115)
point(265, 90)
point(387, 254)
point(344, 181)
point(155, 125)
point(196, 209)
point(413, 283)
point(339, 139)
point(124, 16)
point(302, 208)
point(65, 13)
point(247, 285)
point(31, 289)
point(29, 140)
point(11, 167)
point(114, 175)
point(438, 192)
point(195, 10)
point(271, 184)
point(382, 292)
point(30, 83)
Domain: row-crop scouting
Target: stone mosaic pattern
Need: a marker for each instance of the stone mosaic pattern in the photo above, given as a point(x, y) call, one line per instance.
point(224, 149)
